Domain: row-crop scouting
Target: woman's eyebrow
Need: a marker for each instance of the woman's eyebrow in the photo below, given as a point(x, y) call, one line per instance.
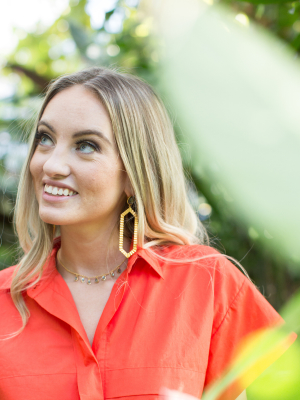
point(84, 132)
point(47, 125)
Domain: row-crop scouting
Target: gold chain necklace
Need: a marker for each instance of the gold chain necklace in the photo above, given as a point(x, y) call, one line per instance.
point(97, 278)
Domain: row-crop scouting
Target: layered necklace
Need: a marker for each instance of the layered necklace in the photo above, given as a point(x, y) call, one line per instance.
point(94, 279)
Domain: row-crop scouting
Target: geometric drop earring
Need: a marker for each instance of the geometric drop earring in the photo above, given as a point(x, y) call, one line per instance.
point(130, 201)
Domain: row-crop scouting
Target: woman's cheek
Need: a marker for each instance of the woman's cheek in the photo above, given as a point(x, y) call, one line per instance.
point(35, 167)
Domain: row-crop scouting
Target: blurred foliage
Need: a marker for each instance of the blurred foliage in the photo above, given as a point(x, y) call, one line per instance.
point(266, 362)
point(74, 41)
point(280, 17)
point(281, 380)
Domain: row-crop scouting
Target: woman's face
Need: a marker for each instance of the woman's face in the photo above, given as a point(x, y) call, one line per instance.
point(78, 175)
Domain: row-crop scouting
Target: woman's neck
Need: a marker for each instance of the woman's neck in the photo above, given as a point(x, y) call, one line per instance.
point(91, 252)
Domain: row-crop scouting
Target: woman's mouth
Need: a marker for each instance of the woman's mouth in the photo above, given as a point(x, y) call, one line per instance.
point(58, 191)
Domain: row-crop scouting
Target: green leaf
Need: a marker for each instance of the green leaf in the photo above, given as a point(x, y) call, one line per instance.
point(237, 93)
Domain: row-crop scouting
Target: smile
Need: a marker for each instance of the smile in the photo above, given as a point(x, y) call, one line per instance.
point(58, 191)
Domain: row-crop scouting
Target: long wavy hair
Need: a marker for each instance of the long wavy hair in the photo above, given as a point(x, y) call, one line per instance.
point(146, 142)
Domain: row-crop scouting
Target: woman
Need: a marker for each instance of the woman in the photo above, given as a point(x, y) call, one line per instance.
point(127, 299)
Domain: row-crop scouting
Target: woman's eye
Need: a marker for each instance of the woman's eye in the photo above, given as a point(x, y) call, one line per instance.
point(86, 147)
point(44, 139)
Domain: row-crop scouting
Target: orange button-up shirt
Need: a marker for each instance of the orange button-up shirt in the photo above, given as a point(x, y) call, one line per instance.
point(165, 325)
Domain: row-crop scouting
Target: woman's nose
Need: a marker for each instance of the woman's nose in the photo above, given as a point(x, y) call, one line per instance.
point(57, 164)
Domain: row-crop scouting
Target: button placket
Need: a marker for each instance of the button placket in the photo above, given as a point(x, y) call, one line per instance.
point(88, 372)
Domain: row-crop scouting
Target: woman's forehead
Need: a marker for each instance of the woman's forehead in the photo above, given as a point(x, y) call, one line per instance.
point(77, 108)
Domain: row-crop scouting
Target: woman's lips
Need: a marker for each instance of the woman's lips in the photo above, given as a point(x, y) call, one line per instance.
point(50, 197)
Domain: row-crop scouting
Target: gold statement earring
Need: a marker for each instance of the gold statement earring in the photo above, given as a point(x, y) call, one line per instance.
point(130, 201)
point(54, 228)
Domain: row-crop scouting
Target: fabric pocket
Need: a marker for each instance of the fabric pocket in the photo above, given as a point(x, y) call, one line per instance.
point(148, 381)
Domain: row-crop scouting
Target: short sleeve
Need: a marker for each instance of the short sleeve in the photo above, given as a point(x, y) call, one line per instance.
point(239, 309)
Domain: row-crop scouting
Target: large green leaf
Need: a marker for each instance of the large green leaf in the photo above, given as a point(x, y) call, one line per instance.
point(281, 380)
point(278, 382)
point(236, 91)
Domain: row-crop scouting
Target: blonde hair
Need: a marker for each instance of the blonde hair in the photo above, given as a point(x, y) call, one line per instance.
point(146, 143)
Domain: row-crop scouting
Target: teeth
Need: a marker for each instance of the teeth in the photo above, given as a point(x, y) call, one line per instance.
point(57, 191)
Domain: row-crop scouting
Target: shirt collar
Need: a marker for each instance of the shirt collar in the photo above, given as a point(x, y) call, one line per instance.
point(146, 254)
point(149, 256)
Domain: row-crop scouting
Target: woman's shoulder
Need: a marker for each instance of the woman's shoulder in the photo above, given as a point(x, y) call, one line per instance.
point(196, 253)
point(203, 258)
point(226, 269)
point(193, 250)
point(235, 296)
point(223, 271)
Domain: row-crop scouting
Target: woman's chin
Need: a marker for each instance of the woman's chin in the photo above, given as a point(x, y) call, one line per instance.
point(53, 219)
